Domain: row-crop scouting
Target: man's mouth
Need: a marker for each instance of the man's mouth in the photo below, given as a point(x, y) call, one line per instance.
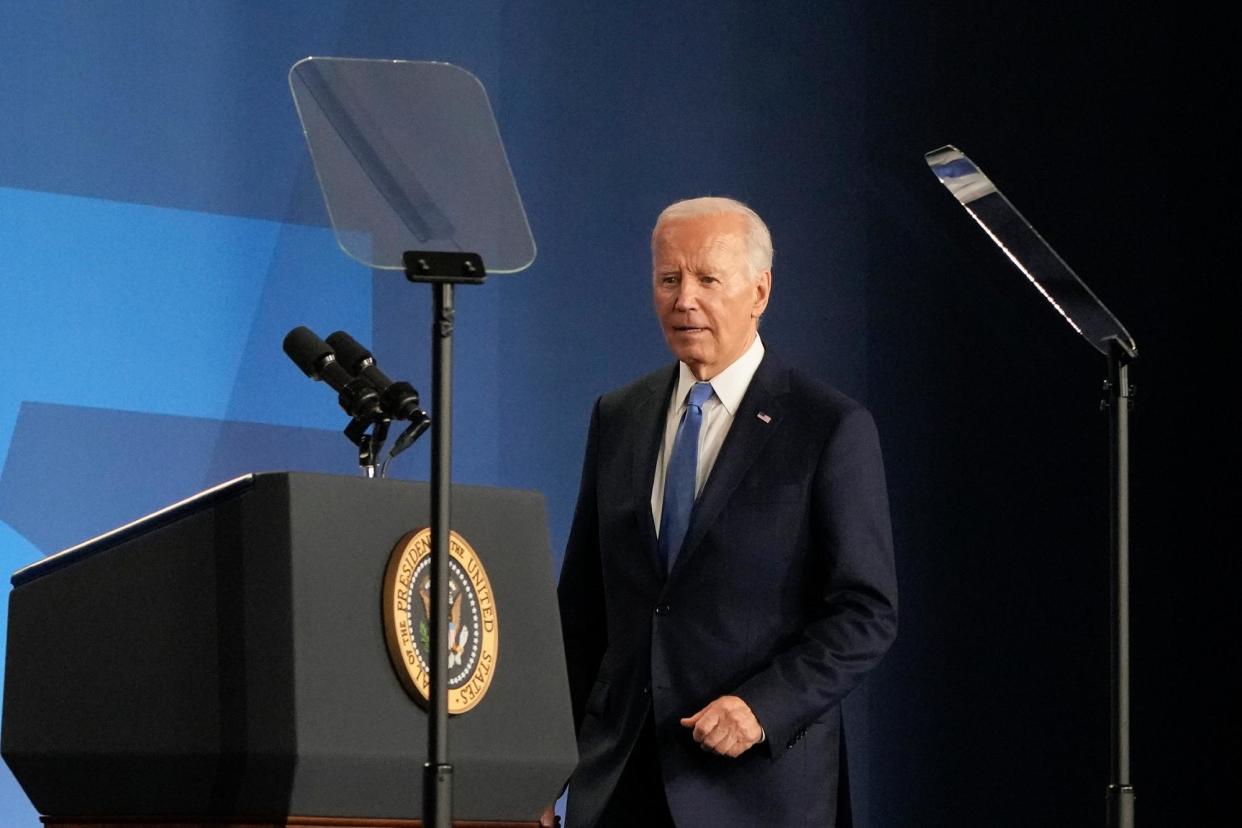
point(687, 329)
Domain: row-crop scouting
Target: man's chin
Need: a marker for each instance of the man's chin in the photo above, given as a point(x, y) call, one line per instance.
point(690, 356)
point(696, 362)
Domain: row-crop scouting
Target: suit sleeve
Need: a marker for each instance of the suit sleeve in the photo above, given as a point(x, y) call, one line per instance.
point(580, 591)
point(853, 619)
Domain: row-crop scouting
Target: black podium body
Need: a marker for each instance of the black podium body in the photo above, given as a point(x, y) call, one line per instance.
point(226, 657)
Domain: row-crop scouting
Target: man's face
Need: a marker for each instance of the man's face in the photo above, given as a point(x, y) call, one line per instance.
point(707, 305)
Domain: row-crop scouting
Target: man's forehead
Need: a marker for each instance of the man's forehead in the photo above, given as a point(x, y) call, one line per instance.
point(699, 235)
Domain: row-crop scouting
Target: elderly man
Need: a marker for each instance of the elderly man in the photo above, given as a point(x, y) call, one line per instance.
point(729, 574)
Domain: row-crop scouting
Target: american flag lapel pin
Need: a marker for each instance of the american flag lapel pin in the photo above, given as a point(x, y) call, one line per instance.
point(763, 415)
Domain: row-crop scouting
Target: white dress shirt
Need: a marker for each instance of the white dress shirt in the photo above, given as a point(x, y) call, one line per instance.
point(728, 387)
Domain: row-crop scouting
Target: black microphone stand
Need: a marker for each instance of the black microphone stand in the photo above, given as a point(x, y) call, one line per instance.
point(442, 271)
point(369, 444)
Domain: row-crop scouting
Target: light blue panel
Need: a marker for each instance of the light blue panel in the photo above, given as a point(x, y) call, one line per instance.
point(15, 808)
point(310, 282)
point(150, 309)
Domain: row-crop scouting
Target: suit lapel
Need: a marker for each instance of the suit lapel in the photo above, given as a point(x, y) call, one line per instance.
point(650, 420)
point(742, 446)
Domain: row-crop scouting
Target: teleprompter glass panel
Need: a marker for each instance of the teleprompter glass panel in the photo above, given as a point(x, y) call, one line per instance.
point(409, 157)
point(1046, 270)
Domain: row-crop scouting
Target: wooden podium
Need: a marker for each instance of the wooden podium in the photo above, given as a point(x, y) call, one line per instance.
point(223, 662)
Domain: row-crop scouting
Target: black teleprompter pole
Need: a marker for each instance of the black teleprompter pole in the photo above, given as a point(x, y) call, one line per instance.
point(1118, 398)
point(438, 772)
point(442, 271)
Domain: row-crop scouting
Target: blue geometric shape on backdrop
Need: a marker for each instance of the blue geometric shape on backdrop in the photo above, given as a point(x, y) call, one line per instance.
point(74, 472)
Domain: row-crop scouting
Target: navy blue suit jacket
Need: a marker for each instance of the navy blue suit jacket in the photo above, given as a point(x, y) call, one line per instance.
point(784, 594)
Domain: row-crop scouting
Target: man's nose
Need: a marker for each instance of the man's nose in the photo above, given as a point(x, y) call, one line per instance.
point(687, 295)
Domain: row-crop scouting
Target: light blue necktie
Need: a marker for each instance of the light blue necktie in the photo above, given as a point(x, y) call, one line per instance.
point(680, 479)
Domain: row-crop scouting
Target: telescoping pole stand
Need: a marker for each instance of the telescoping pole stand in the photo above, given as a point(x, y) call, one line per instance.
point(1118, 398)
point(442, 271)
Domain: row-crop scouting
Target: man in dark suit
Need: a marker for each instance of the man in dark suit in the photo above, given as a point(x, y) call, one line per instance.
point(729, 574)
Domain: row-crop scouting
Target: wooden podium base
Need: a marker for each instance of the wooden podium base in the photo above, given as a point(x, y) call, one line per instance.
point(274, 822)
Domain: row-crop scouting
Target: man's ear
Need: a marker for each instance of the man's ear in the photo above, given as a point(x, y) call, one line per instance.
point(763, 290)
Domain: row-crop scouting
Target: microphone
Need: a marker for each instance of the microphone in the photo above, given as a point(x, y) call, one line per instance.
point(399, 399)
point(318, 361)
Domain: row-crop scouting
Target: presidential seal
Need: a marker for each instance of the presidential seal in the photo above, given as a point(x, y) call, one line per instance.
point(472, 621)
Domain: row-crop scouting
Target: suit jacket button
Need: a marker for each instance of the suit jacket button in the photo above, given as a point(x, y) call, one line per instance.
point(647, 690)
point(661, 609)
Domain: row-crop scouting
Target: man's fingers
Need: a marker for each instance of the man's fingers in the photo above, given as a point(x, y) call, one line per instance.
point(715, 738)
point(691, 721)
point(725, 745)
point(704, 724)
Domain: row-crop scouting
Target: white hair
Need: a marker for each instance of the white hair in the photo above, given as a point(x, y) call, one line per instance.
point(758, 240)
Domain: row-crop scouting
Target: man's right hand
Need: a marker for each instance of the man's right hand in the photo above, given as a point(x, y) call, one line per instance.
point(727, 726)
point(548, 818)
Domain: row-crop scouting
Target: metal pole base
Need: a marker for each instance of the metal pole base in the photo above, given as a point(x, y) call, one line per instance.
point(1120, 806)
point(437, 808)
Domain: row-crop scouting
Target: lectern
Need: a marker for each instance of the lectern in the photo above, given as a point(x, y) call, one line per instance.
point(232, 660)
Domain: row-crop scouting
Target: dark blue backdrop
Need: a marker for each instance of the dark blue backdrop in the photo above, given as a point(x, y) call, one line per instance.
point(161, 229)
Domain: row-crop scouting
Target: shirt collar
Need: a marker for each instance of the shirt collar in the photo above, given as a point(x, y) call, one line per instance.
point(730, 384)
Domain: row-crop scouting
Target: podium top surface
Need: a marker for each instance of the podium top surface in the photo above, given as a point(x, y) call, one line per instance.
point(175, 511)
point(198, 502)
